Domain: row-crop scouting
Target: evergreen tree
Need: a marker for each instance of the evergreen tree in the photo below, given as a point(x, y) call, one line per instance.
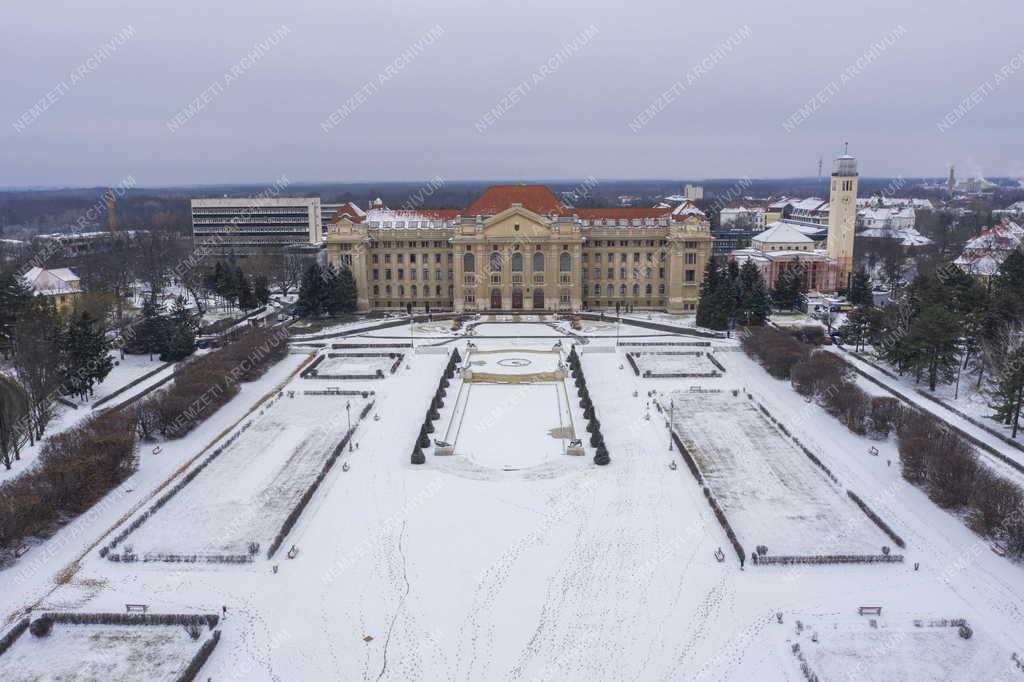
point(1008, 395)
point(182, 341)
point(717, 298)
point(753, 304)
point(310, 301)
point(345, 294)
point(14, 298)
point(860, 289)
point(246, 295)
point(261, 289)
point(788, 288)
point(151, 331)
point(85, 360)
point(856, 327)
point(417, 456)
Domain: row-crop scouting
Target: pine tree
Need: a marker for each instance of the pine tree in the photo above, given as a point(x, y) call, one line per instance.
point(855, 328)
point(261, 289)
point(1008, 395)
point(788, 288)
point(311, 291)
point(717, 298)
point(14, 298)
point(85, 359)
point(151, 331)
point(753, 304)
point(860, 289)
point(182, 341)
point(345, 294)
point(246, 295)
point(417, 456)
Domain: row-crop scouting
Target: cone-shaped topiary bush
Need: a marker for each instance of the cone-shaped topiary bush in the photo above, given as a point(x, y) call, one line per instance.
point(601, 458)
point(596, 439)
point(417, 456)
point(428, 427)
point(456, 358)
point(424, 439)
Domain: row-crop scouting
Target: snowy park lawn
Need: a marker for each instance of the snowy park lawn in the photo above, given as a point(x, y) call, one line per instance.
point(675, 362)
point(518, 361)
point(526, 329)
point(101, 652)
point(511, 426)
point(337, 364)
point(771, 493)
point(856, 652)
point(247, 491)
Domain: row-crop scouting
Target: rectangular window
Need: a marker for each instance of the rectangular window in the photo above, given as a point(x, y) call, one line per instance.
point(691, 276)
point(376, 274)
point(691, 259)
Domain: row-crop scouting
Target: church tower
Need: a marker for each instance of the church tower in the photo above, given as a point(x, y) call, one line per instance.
point(842, 216)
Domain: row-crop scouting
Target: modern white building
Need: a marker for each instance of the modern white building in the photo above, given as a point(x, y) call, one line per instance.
point(248, 227)
point(753, 217)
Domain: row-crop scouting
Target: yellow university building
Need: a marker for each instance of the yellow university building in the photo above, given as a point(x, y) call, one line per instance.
point(518, 247)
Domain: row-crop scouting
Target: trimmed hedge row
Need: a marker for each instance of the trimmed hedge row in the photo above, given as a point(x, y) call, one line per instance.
point(13, 634)
point(601, 457)
point(726, 526)
point(878, 521)
point(176, 488)
point(436, 403)
point(765, 560)
point(296, 512)
point(199, 660)
point(688, 458)
point(74, 618)
point(632, 363)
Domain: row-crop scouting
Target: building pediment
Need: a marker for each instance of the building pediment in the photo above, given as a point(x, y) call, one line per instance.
point(517, 222)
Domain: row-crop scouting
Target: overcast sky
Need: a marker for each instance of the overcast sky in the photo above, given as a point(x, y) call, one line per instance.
point(97, 92)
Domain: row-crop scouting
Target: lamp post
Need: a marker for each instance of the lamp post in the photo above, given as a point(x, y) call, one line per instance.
point(672, 417)
point(348, 411)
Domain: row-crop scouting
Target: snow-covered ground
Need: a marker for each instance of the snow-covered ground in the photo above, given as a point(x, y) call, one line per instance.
point(247, 491)
point(853, 651)
point(458, 569)
point(772, 494)
point(115, 653)
point(674, 362)
point(349, 364)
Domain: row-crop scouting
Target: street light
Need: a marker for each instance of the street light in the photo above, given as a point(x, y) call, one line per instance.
point(671, 418)
point(348, 411)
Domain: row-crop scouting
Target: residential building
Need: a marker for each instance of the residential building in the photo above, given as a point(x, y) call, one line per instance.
point(693, 192)
point(260, 226)
point(60, 284)
point(983, 255)
point(519, 247)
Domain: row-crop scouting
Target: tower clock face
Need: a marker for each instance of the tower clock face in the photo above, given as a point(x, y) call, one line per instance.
point(846, 200)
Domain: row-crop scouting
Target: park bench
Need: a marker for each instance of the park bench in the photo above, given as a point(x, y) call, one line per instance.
point(869, 610)
point(136, 608)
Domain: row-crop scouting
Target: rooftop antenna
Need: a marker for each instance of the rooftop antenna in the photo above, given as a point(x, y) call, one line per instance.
point(846, 149)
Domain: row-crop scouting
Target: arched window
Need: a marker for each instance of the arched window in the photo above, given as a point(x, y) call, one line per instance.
point(437, 289)
point(401, 290)
point(597, 290)
point(413, 289)
point(564, 262)
point(636, 289)
point(647, 290)
point(495, 261)
point(469, 263)
point(517, 262)
point(538, 262)
point(661, 289)
point(376, 290)
point(387, 289)
point(622, 290)
point(647, 273)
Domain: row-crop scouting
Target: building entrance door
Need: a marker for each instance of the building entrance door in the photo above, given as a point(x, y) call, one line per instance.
point(538, 299)
point(517, 299)
point(496, 299)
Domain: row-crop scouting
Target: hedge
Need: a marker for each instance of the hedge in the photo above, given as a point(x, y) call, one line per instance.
point(13, 634)
point(878, 521)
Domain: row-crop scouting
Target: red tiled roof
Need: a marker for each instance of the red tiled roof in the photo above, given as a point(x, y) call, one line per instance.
point(618, 213)
point(441, 213)
point(497, 198)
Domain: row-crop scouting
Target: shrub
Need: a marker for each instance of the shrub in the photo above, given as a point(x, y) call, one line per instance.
point(775, 350)
point(601, 458)
point(417, 456)
point(596, 439)
point(41, 626)
point(424, 439)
